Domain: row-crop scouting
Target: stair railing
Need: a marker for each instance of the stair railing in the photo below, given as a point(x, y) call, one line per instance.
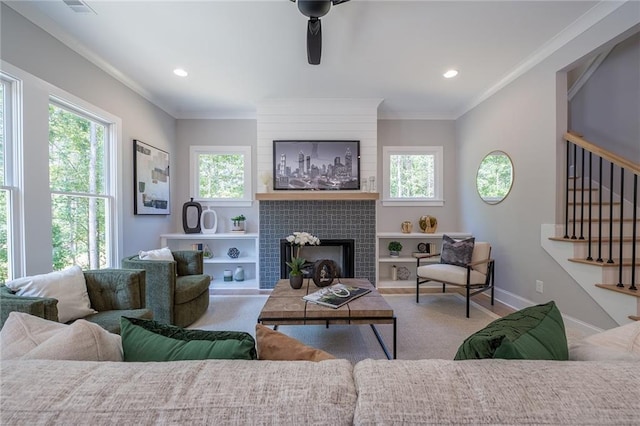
point(618, 166)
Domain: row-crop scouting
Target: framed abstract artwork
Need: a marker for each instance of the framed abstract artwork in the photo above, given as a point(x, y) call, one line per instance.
point(151, 190)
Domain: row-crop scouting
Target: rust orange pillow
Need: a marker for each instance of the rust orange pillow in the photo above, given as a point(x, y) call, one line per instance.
point(275, 346)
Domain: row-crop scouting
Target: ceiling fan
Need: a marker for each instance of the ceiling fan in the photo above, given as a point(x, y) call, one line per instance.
point(315, 9)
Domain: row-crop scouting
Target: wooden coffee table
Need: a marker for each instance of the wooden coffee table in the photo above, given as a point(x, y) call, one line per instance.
point(285, 306)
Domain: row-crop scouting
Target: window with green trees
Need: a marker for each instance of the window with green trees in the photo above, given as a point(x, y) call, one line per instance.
point(6, 187)
point(80, 190)
point(412, 174)
point(221, 173)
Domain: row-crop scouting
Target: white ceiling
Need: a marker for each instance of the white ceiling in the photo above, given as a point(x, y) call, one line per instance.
point(239, 53)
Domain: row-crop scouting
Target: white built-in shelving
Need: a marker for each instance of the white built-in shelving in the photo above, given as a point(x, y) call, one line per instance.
point(219, 244)
point(409, 241)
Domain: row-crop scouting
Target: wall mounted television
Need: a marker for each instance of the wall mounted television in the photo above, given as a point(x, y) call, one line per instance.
point(316, 165)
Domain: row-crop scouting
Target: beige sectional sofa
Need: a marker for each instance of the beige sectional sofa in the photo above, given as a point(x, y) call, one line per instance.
point(331, 392)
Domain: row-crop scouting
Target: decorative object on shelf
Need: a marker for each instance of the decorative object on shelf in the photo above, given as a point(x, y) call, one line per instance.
point(228, 275)
point(295, 275)
point(151, 179)
point(406, 226)
point(238, 274)
point(428, 224)
point(191, 212)
point(266, 180)
point(233, 253)
point(209, 221)
point(364, 185)
point(238, 223)
point(423, 248)
point(324, 271)
point(394, 248)
point(206, 252)
point(372, 184)
point(403, 273)
point(394, 273)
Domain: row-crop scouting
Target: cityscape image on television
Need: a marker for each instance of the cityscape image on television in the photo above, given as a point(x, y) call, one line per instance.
point(316, 165)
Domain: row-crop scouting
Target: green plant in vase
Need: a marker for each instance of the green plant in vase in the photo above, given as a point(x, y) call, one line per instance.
point(238, 223)
point(394, 248)
point(295, 275)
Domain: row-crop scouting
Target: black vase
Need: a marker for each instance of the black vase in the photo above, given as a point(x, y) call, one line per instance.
point(295, 281)
point(191, 208)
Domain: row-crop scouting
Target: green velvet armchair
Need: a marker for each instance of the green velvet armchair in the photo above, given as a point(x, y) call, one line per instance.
point(113, 293)
point(177, 291)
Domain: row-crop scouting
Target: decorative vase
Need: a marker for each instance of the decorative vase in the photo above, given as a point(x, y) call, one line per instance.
point(295, 281)
point(191, 212)
point(393, 253)
point(228, 275)
point(428, 224)
point(406, 227)
point(238, 274)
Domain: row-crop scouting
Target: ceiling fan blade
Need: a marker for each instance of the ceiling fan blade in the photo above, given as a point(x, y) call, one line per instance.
point(314, 41)
point(335, 2)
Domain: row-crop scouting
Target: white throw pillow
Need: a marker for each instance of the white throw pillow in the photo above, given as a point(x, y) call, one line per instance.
point(26, 336)
point(67, 286)
point(619, 343)
point(159, 254)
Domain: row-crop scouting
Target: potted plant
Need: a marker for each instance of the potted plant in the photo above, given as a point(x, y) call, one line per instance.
point(295, 275)
point(238, 223)
point(394, 248)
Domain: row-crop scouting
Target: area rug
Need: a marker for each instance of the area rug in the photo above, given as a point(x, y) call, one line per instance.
point(434, 328)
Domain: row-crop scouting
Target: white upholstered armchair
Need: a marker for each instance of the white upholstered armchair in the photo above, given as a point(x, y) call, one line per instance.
point(476, 275)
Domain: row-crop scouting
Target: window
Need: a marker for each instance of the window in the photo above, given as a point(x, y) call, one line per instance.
point(82, 196)
point(413, 175)
point(9, 212)
point(221, 174)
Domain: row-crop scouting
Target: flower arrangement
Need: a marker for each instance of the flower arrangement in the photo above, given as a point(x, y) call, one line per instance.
point(299, 239)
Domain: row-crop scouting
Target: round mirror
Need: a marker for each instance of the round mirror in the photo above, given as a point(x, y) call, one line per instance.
point(495, 177)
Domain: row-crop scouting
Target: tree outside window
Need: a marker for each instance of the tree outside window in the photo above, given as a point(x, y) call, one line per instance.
point(412, 175)
point(79, 201)
point(221, 174)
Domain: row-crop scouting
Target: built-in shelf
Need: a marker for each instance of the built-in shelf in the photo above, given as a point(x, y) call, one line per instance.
point(316, 195)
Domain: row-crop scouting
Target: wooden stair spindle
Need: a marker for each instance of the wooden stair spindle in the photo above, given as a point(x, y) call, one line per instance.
point(566, 192)
point(599, 259)
point(610, 260)
point(581, 195)
point(589, 257)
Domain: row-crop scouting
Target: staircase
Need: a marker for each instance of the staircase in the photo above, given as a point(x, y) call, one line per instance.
point(599, 243)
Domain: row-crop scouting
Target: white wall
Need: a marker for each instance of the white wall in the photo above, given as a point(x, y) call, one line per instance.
point(29, 48)
point(526, 119)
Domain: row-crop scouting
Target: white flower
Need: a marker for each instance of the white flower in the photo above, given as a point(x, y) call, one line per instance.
point(300, 239)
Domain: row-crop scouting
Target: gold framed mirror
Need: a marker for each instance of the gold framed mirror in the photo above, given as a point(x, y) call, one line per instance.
point(495, 177)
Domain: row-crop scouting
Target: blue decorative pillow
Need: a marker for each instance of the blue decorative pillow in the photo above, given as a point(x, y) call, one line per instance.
point(456, 252)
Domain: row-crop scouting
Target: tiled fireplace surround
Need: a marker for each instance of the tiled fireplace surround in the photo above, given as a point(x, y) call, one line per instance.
point(342, 219)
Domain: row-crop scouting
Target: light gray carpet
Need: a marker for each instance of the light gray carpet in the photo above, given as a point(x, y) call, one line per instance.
point(432, 329)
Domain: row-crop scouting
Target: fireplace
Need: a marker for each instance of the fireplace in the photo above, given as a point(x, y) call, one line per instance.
point(328, 220)
point(340, 251)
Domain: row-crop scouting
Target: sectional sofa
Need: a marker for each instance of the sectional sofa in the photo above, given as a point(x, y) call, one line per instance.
point(331, 392)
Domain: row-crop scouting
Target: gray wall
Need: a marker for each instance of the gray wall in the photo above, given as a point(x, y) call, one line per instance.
point(213, 133)
point(26, 46)
point(526, 119)
point(421, 133)
point(606, 109)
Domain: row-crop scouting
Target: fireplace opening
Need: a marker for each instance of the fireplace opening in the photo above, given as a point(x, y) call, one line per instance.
point(341, 251)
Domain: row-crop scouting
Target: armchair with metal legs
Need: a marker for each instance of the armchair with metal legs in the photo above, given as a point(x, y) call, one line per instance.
point(478, 275)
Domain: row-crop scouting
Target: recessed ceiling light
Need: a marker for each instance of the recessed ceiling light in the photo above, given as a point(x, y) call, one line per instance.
point(450, 74)
point(180, 72)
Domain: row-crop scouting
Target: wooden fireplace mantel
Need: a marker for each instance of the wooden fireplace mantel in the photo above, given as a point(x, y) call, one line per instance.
point(316, 195)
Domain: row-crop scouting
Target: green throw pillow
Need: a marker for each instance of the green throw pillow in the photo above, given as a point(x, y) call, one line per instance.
point(536, 332)
point(147, 340)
